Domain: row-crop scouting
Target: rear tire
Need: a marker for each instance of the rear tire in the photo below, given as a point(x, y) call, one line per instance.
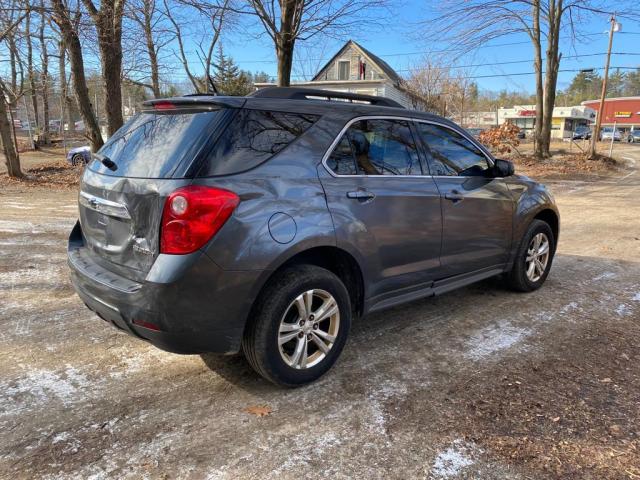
point(527, 275)
point(298, 326)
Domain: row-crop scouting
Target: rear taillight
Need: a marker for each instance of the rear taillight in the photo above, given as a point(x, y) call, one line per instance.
point(192, 216)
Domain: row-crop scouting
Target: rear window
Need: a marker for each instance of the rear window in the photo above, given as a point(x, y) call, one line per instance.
point(253, 137)
point(153, 145)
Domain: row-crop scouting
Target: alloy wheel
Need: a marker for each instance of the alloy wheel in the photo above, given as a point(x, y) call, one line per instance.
point(308, 329)
point(537, 257)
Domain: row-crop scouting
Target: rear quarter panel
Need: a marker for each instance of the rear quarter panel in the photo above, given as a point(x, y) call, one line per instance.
point(282, 209)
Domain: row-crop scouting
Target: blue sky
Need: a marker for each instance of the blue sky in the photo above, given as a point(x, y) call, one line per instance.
point(404, 48)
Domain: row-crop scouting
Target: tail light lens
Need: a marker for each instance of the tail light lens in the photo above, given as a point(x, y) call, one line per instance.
point(192, 216)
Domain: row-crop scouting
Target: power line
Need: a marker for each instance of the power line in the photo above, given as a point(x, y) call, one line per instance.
point(518, 61)
point(422, 52)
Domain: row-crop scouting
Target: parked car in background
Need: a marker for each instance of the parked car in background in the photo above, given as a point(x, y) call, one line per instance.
point(266, 223)
point(521, 134)
point(606, 133)
point(633, 136)
point(582, 133)
point(79, 155)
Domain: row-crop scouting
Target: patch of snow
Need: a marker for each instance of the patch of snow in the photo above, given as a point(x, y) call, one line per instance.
point(623, 310)
point(38, 387)
point(493, 339)
point(382, 392)
point(217, 474)
point(604, 276)
point(453, 460)
point(307, 448)
point(636, 297)
point(61, 437)
point(569, 307)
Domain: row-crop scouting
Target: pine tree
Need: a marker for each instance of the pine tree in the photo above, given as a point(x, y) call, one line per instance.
point(228, 77)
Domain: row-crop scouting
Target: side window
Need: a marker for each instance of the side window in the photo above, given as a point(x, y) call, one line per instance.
point(341, 160)
point(384, 147)
point(451, 153)
point(252, 138)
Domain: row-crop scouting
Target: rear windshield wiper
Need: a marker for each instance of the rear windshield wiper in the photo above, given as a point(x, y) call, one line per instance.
point(106, 161)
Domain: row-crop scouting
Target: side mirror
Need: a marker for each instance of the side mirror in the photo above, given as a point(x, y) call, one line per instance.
point(503, 168)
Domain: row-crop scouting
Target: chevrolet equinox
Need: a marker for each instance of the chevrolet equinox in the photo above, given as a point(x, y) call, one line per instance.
point(265, 224)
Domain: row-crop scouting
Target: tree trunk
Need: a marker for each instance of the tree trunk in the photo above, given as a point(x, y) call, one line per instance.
point(45, 78)
point(151, 48)
point(67, 101)
point(551, 74)
point(284, 51)
point(285, 39)
point(111, 60)
point(33, 92)
point(537, 64)
point(108, 21)
point(6, 136)
point(72, 43)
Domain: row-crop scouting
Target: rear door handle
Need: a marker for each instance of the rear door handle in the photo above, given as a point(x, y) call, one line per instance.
point(362, 195)
point(455, 196)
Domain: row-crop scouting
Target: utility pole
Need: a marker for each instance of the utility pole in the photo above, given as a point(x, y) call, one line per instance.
point(615, 27)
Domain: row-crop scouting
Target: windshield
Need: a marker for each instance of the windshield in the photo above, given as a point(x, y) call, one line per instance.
point(153, 145)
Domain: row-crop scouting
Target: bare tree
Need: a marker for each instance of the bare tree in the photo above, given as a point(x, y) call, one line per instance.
point(9, 94)
point(474, 23)
point(461, 91)
point(44, 73)
point(289, 21)
point(31, 73)
point(309, 59)
point(216, 15)
point(68, 26)
point(427, 83)
point(145, 14)
point(108, 22)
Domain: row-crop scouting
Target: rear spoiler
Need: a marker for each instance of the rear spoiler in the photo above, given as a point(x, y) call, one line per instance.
point(194, 101)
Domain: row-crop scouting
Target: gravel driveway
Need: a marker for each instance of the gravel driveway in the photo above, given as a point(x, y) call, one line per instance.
point(478, 383)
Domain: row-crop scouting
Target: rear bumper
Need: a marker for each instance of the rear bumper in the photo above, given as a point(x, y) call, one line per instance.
point(186, 304)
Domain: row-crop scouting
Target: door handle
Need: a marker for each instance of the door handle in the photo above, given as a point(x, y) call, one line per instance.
point(362, 195)
point(455, 196)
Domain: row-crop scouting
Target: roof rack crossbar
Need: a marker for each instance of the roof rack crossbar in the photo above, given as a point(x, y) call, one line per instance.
point(301, 93)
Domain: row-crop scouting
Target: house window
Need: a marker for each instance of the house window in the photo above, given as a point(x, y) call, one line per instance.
point(343, 70)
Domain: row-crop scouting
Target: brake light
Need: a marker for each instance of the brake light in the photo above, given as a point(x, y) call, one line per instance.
point(192, 216)
point(164, 106)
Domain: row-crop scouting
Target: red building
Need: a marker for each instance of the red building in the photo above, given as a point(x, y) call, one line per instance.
point(624, 112)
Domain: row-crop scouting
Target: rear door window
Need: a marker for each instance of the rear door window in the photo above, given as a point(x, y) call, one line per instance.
point(379, 147)
point(153, 145)
point(253, 137)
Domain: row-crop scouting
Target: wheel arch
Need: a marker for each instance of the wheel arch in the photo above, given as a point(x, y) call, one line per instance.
point(335, 259)
point(550, 217)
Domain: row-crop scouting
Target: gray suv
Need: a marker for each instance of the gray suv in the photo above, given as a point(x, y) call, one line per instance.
point(265, 224)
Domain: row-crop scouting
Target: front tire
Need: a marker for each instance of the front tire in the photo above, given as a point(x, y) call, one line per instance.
point(77, 159)
point(299, 326)
point(533, 258)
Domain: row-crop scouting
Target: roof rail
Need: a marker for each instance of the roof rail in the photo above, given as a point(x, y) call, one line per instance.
point(302, 93)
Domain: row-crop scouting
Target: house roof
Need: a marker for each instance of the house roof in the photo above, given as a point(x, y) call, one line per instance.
point(377, 61)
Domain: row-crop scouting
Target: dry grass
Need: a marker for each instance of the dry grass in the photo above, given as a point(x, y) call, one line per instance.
point(57, 174)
